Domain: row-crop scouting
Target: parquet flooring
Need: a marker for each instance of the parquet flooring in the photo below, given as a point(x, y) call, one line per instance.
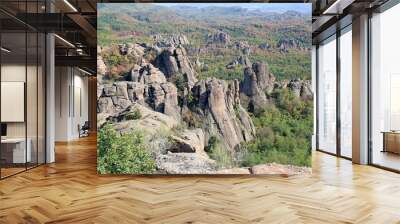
point(70, 191)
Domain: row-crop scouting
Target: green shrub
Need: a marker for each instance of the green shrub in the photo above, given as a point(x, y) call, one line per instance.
point(126, 154)
point(133, 115)
point(219, 153)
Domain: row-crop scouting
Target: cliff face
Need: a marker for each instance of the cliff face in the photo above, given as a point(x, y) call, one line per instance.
point(220, 106)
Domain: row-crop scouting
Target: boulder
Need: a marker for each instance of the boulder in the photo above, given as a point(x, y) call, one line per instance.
point(191, 141)
point(185, 163)
point(150, 121)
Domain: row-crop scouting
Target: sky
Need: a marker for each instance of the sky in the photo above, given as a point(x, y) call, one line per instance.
point(277, 7)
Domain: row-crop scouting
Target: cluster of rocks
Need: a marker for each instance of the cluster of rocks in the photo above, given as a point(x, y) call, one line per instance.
point(135, 50)
point(219, 105)
point(258, 82)
point(218, 39)
point(241, 60)
point(285, 44)
point(160, 97)
point(174, 61)
point(171, 41)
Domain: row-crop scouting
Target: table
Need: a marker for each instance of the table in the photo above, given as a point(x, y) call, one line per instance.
point(391, 141)
point(13, 150)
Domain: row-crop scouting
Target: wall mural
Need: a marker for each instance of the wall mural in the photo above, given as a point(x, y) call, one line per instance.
point(204, 88)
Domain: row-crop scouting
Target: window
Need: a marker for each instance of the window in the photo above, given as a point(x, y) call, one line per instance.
point(346, 92)
point(327, 96)
point(385, 89)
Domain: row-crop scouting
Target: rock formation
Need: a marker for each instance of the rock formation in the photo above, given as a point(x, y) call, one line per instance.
point(151, 90)
point(241, 60)
point(159, 97)
point(191, 141)
point(225, 117)
point(135, 50)
point(218, 39)
point(147, 73)
point(174, 62)
point(150, 121)
point(285, 44)
point(171, 41)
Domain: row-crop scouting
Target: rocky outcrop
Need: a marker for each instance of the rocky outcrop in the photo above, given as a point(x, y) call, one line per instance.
point(147, 73)
point(134, 50)
point(185, 163)
point(191, 141)
point(285, 45)
point(174, 62)
point(241, 60)
point(220, 105)
point(257, 79)
point(171, 41)
point(301, 88)
point(149, 121)
point(257, 82)
point(161, 97)
point(218, 39)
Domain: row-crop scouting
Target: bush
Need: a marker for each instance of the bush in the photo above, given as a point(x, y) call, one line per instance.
point(125, 154)
point(219, 153)
point(133, 115)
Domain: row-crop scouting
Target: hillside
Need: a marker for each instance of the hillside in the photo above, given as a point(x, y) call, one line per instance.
point(280, 39)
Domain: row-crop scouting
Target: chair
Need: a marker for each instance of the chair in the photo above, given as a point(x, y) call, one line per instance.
point(84, 130)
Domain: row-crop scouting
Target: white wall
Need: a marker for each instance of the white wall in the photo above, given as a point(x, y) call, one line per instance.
point(70, 83)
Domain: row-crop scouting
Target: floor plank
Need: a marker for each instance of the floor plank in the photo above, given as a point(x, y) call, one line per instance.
point(70, 191)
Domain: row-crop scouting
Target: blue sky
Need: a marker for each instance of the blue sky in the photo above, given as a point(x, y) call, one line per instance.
point(277, 7)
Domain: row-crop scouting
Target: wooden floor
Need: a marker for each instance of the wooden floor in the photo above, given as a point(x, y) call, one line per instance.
point(70, 191)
